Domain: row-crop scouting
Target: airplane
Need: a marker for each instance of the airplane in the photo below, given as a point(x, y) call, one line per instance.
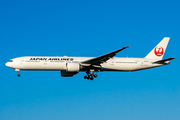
point(70, 66)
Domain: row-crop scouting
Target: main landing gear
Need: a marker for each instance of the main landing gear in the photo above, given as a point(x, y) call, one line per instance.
point(90, 75)
point(18, 71)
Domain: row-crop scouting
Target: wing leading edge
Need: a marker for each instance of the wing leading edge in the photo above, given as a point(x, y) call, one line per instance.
point(102, 58)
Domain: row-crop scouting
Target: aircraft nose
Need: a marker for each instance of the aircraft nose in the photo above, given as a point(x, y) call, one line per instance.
point(7, 64)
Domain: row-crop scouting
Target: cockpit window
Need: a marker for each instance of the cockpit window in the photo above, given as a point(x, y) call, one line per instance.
point(11, 61)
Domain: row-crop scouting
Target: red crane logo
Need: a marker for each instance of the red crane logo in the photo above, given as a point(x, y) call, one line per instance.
point(158, 51)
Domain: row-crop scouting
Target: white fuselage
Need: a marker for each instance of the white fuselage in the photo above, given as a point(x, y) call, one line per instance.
point(60, 63)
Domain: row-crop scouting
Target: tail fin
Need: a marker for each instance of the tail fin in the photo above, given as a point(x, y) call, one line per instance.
point(159, 50)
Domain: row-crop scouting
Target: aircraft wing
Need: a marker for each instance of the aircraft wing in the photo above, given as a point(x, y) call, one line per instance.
point(164, 60)
point(102, 58)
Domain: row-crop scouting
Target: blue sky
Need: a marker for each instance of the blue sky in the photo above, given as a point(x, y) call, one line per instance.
point(89, 28)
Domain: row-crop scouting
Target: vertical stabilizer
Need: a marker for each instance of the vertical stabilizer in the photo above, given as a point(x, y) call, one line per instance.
point(159, 50)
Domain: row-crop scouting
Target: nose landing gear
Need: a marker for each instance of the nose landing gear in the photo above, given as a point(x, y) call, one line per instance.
point(19, 75)
point(18, 71)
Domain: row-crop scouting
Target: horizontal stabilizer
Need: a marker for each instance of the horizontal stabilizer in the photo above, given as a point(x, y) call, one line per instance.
point(164, 60)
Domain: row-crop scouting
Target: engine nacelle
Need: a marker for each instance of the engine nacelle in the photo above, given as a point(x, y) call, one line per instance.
point(73, 67)
point(67, 74)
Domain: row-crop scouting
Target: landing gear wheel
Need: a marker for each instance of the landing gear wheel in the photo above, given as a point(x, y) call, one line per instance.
point(85, 77)
point(19, 75)
point(95, 75)
point(91, 78)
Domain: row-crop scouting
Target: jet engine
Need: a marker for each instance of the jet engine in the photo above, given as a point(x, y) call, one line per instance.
point(73, 67)
point(67, 74)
